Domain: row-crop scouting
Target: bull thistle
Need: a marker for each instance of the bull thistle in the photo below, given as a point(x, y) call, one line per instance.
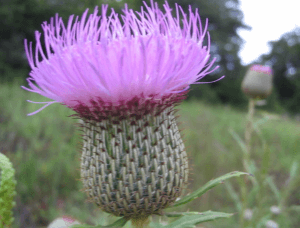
point(123, 80)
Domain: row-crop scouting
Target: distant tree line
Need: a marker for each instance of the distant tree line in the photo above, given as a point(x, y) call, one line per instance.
point(285, 61)
point(21, 18)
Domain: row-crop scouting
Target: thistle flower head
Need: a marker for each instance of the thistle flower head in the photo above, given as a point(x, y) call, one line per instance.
point(104, 60)
point(123, 77)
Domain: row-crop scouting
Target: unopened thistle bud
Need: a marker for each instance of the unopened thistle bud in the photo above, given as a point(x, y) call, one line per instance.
point(258, 82)
point(123, 80)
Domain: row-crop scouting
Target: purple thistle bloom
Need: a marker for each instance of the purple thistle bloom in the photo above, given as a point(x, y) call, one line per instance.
point(123, 79)
point(98, 60)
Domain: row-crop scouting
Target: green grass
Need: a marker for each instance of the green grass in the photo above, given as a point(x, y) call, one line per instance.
point(213, 152)
point(45, 151)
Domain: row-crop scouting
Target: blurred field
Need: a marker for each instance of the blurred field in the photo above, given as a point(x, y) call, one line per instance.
point(45, 151)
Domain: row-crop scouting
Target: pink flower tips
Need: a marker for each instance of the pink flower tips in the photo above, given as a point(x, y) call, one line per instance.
point(99, 61)
point(262, 69)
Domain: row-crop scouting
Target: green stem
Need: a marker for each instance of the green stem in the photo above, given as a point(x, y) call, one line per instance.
point(261, 179)
point(244, 200)
point(246, 159)
point(248, 134)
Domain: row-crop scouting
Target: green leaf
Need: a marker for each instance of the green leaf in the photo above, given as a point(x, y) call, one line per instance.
point(263, 220)
point(295, 208)
point(7, 191)
point(192, 220)
point(156, 225)
point(252, 167)
point(234, 196)
point(82, 226)
point(261, 121)
point(253, 193)
point(274, 189)
point(179, 214)
point(238, 139)
point(293, 171)
point(265, 162)
point(259, 133)
point(209, 185)
point(119, 223)
point(253, 170)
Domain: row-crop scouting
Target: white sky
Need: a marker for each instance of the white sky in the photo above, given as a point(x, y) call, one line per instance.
point(269, 20)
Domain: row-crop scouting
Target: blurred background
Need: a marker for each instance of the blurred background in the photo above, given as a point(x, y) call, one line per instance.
point(45, 151)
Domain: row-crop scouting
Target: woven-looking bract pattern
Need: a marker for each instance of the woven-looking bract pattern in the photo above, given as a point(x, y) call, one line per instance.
point(134, 166)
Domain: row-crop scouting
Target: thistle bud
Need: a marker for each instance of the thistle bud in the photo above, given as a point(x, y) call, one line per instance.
point(258, 82)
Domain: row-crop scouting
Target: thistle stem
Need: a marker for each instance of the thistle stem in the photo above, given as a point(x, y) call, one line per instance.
point(246, 158)
point(248, 134)
point(244, 201)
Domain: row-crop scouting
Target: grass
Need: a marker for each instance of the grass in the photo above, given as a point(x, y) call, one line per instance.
point(213, 152)
point(45, 151)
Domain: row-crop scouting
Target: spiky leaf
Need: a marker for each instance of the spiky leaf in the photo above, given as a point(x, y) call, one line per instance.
point(192, 220)
point(209, 185)
point(119, 223)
